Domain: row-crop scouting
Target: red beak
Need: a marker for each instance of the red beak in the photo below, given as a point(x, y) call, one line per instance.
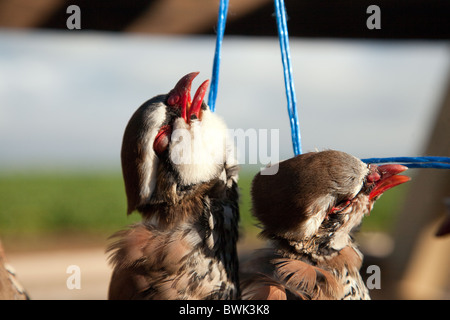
point(388, 178)
point(180, 97)
point(197, 101)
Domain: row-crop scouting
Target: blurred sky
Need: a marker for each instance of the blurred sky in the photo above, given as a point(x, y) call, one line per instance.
point(65, 97)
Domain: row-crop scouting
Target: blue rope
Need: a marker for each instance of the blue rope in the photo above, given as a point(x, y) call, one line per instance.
point(428, 165)
point(288, 77)
point(223, 9)
point(286, 60)
point(414, 162)
point(406, 159)
point(410, 162)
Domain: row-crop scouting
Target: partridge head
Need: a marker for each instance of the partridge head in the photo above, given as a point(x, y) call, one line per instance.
point(172, 143)
point(308, 210)
point(180, 174)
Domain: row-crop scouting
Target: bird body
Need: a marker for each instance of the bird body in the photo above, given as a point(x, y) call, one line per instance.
point(186, 261)
point(287, 271)
point(308, 211)
point(180, 174)
point(10, 287)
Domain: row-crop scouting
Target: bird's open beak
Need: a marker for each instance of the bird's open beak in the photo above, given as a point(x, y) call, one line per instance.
point(180, 96)
point(389, 178)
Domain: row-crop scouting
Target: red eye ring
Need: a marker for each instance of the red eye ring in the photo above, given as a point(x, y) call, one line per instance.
point(340, 207)
point(162, 139)
point(173, 99)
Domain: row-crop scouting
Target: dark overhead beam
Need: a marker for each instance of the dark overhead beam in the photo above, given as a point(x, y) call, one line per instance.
point(400, 19)
point(104, 15)
point(412, 19)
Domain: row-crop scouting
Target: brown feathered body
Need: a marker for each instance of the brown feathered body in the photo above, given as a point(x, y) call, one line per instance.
point(185, 245)
point(181, 250)
point(10, 287)
point(286, 272)
point(308, 210)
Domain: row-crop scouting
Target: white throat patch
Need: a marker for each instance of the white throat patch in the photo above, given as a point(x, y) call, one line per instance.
point(199, 151)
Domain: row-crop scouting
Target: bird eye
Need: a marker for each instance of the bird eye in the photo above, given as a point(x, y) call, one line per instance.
point(173, 99)
point(162, 139)
point(373, 175)
point(341, 205)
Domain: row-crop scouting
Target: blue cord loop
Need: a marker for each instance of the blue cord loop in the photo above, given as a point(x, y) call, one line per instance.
point(223, 9)
point(288, 77)
point(286, 60)
point(414, 162)
point(410, 162)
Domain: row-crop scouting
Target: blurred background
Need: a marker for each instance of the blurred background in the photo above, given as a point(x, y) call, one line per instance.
point(67, 95)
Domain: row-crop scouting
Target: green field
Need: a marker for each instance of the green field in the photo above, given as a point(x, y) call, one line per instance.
point(38, 205)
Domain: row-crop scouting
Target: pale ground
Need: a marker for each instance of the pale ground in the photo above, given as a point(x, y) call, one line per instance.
point(44, 274)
